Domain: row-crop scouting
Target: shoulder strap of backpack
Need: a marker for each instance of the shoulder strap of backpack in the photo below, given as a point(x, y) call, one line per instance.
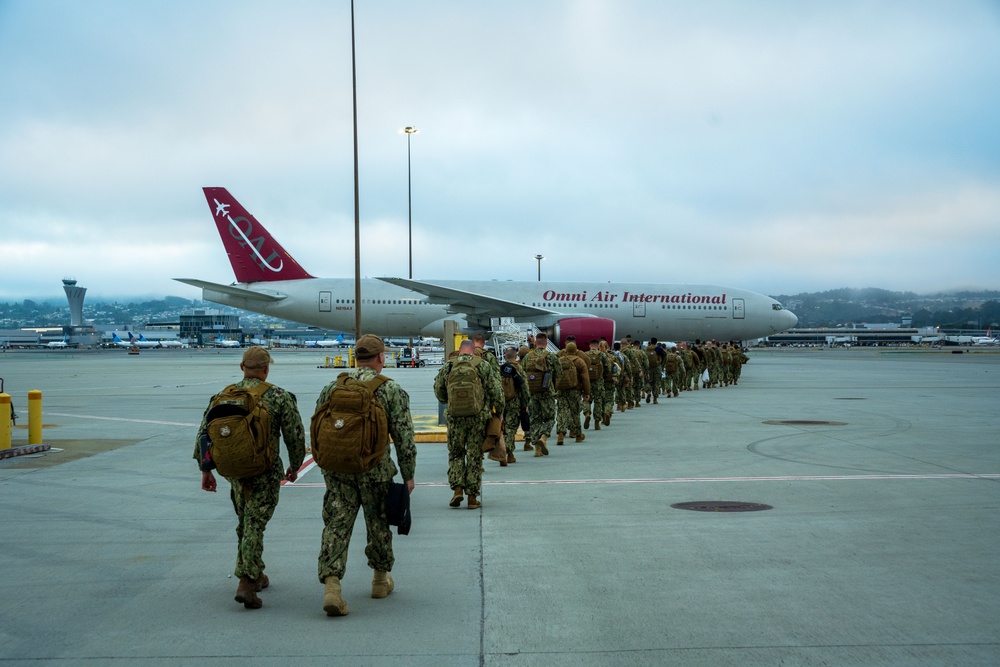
point(260, 390)
point(376, 382)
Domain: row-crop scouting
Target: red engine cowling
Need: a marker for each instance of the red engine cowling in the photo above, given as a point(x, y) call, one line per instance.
point(584, 329)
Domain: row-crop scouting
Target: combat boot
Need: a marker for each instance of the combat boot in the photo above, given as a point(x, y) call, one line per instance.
point(382, 584)
point(607, 421)
point(474, 503)
point(648, 396)
point(580, 437)
point(597, 424)
point(656, 400)
point(262, 582)
point(510, 457)
point(527, 445)
point(246, 593)
point(559, 439)
point(540, 446)
point(333, 603)
point(456, 499)
point(586, 421)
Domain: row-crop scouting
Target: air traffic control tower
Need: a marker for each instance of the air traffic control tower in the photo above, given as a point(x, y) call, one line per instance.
point(75, 296)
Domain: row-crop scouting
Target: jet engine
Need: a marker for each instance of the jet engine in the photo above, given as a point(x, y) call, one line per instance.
point(584, 329)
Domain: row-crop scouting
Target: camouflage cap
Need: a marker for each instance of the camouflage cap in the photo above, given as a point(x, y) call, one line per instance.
point(256, 357)
point(369, 347)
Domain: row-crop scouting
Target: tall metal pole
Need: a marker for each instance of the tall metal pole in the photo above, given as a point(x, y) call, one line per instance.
point(357, 198)
point(539, 258)
point(409, 201)
point(408, 131)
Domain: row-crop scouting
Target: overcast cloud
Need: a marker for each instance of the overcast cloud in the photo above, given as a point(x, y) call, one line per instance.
point(777, 146)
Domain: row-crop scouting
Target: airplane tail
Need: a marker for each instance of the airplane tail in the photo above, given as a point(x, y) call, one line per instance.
point(254, 254)
point(115, 338)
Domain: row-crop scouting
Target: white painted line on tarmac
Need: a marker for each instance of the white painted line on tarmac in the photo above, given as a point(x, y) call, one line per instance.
point(118, 419)
point(695, 480)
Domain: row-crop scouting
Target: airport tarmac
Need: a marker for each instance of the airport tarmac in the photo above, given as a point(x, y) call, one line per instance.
point(882, 547)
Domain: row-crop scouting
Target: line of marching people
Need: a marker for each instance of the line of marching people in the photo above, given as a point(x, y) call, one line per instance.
point(538, 390)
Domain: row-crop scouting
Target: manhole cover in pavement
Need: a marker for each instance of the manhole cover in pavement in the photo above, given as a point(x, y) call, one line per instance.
point(803, 422)
point(721, 506)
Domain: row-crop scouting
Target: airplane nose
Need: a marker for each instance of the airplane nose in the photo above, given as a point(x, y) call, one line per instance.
point(792, 319)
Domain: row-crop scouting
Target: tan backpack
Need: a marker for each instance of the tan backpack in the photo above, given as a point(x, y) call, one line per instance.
point(350, 431)
point(239, 430)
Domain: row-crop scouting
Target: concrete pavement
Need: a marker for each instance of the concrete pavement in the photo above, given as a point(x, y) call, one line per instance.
point(881, 547)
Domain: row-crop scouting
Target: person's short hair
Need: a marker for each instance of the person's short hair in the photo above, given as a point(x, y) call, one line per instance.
point(510, 353)
point(571, 338)
point(541, 336)
point(368, 347)
point(256, 357)
point(466, 344)
point(479, 338)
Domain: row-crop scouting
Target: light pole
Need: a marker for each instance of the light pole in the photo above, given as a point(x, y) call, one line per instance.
point(408, 131)
point(539, 258)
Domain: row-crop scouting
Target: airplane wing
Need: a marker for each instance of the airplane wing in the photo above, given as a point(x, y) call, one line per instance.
point(232, 290)
point(470, 303)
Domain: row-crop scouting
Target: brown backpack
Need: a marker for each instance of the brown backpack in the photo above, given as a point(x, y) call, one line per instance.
point(350, 431)
point(239, 430)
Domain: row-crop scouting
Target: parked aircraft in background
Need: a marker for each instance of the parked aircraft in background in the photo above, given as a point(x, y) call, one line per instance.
point(988, 339)
point(222, 342)
point(59, 344)
point(325, 342)
point(140, 341)
point(271, 282)
point(118, 341)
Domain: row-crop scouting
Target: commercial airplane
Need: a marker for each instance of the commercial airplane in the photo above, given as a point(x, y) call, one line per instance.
point(141, 341)
point(326, 342)
point(58, 344)
point(271, 282)
point(988, 339)
point(118, 341)
point(222, 342)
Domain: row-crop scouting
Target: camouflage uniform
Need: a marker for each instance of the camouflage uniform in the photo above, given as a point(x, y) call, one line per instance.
point(597, 405)
point(345, 492)
point(655, 371)
point(466, 434)
point(513, 408)
point(569, 401)
point(542, 406)
point(674, 366)
point(255, 498)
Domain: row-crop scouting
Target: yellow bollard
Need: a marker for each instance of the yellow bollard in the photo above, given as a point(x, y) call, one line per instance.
point(34, 417)
point(5, 421)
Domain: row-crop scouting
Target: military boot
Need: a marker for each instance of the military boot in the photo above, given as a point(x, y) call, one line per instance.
point(527, 445)
point(262, 582)
point(607, 421)
point(656, 400)
point(559, 438)
point(540, 446)
point(333, 603)
point(648, 396)
point(382, 584)
point(456, 499)
point(510, 457)
point(246, 593)
point(474, 503)
point(586, 422)
point(597, 424)
point(580, 437)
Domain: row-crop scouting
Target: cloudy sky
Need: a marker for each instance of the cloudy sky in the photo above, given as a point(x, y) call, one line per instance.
point(777, 146)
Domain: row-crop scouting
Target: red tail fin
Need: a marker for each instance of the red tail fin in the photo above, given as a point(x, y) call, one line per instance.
point(255, 256)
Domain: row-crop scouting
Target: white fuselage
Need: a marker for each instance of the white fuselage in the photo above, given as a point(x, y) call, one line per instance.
point(666, 311)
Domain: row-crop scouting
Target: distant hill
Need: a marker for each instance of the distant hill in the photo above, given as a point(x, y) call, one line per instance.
point(948, 310)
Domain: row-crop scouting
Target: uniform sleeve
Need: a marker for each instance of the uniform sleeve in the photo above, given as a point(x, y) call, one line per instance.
point(524, 394)
point(493, 388)
point(197, 436)
point(401, 428)
point(292, 430)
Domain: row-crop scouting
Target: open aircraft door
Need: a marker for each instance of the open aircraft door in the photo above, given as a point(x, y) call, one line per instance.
point(739, 309)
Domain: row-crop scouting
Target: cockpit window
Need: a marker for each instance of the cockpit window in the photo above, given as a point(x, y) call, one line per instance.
point(777, 306)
